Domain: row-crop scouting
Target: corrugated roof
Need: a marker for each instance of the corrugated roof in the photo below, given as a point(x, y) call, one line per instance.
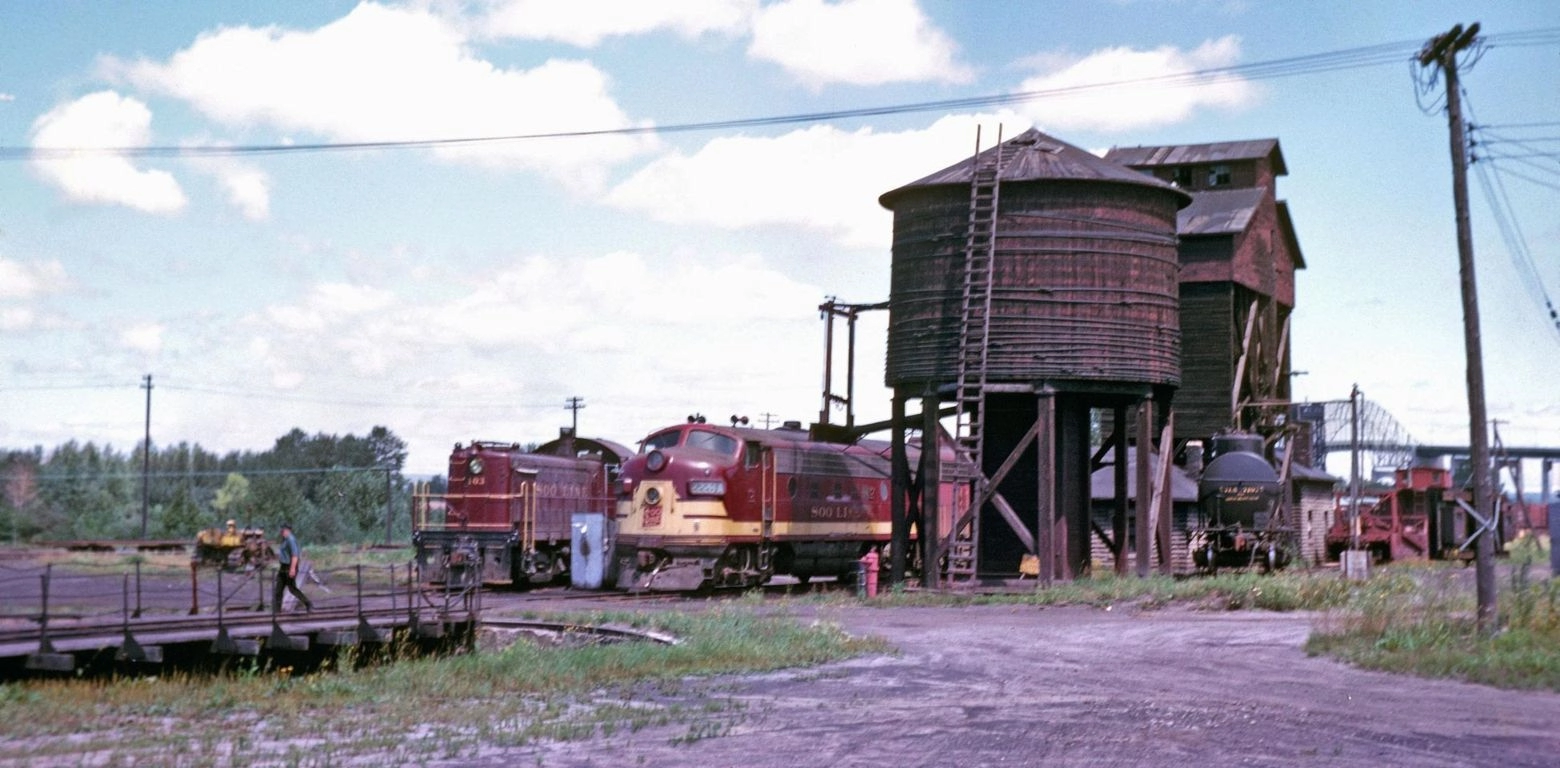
point(1219, 212)
point(1191, 154)
point(1035, 156)
point(1102, 484)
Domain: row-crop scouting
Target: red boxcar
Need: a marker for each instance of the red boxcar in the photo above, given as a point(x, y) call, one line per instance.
point(711, 506)
point(507, 513)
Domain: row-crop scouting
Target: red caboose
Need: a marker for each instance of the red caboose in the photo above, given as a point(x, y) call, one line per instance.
point(711, 506)
point(507, 514)
point(1418, 519)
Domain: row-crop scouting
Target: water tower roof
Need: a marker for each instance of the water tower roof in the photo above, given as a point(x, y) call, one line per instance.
point(1035, 156)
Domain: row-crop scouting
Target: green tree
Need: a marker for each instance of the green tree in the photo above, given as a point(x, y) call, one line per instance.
point(358, 501)
point(233, 498)
point(181, 518)
point(86, 494)
point(19, 502)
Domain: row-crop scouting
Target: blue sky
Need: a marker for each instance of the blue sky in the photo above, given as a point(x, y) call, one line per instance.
point(461, 293)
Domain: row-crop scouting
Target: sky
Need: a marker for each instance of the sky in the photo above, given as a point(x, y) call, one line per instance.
point(460, 291)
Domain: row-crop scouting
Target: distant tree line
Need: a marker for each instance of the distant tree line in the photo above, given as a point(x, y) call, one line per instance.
point(332, 489)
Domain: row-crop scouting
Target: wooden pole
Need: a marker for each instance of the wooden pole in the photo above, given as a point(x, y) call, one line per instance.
point(1442, 51)
point(1118, 527)
point(1144, 533)
point(901, 488)
point(1045, 499)
point(931, 480)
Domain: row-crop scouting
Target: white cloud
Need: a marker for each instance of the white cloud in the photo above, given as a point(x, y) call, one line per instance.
point(1144, 105)
point(382, 74)
point(621, 323)
point(7, 97)
point(143, 337)
point(246, 186)
point(329, 307)
point(587, 24)
point(27, 280)
point(103, 119)
point(858, 42)
point(821, 178)
point(16, 318)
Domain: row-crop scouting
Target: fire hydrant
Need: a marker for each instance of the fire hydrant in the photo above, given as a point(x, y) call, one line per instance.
point(869, 573)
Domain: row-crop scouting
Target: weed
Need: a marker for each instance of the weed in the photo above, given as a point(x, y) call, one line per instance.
point(421, 708)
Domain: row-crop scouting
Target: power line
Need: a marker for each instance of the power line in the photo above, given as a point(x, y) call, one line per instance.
point(255, 394)
point(61, 387)
point(212, 473)
point(1506, 126)
point(1351, 58)
point(294, 398)
point(1531, 180)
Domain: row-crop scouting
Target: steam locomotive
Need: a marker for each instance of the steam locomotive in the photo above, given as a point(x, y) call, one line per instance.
point(1237, 502)
point(705, 506)
point(507, 514)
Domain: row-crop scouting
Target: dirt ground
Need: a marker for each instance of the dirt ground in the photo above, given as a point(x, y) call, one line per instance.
point(1021, 685)
point(1015, 686)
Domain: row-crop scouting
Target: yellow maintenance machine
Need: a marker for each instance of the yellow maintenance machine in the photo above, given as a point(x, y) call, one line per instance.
point(233, 548)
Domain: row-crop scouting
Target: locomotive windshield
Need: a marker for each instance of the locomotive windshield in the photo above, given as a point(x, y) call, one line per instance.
point(666, 439)
point(704, 440)
point(712, 441)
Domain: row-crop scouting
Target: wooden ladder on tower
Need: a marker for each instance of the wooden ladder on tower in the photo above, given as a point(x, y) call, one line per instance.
point(974, 345)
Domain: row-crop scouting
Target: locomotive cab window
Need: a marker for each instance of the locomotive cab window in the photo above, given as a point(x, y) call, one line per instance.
point(752, 454)
point(712, 441)
point(664, 440)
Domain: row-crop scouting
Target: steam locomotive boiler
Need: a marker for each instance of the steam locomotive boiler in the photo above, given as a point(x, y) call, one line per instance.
point(706, 506)
point(507, 514)
point(1238, 497)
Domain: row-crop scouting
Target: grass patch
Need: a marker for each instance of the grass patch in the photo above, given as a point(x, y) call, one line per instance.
point(419, 709)
point(1289, 591)
point(1423, 623)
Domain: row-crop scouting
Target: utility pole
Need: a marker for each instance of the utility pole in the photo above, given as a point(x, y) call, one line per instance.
point(574, 404)
point(146, 456)
point(1442, 51)
point(1354, 468)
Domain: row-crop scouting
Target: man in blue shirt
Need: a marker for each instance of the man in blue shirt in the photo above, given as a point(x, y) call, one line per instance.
point(289, 558)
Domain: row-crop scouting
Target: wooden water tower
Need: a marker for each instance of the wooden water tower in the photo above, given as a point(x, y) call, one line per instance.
point(1031, 285)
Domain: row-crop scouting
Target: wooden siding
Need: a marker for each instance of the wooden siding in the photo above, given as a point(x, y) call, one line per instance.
point(1085, 277)
point(1315, 510)
point(1209, 350)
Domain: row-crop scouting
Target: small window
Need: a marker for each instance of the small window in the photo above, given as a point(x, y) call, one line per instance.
point(1219, 176)
point(1182, 177)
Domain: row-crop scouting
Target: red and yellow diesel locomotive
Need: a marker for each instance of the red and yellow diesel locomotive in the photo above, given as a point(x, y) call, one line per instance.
point(507, 514)
point(707, 506)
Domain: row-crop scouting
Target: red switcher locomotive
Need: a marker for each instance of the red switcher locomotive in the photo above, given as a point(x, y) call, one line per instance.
point(706, 506)
point(507, 514)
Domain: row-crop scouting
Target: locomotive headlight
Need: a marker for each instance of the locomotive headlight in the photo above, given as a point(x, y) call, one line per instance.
point(656, 461)
point(475, 465)
point(653, 496)
point(707, 487)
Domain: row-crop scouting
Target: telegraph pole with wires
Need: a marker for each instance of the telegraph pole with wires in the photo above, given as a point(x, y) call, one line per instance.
point(146, 456)
point(574, 404)
point(1442, 51)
